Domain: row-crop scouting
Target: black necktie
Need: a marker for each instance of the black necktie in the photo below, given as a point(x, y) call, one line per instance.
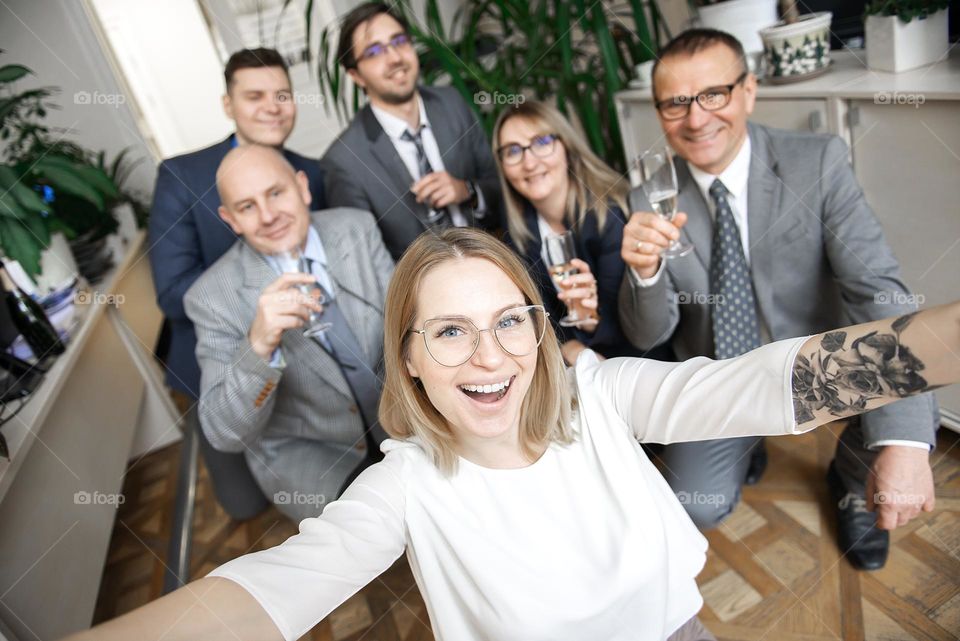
point(435, 217)
point(736, 329)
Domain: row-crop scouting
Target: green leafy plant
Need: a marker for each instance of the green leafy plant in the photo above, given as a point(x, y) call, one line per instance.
point(577, 53)
point(906, 10)
point(37, 161)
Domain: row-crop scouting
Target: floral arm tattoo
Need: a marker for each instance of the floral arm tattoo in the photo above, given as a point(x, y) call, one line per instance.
point(844, 379)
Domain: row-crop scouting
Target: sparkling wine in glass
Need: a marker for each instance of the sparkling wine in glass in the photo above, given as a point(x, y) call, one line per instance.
point(560, 254)
point(293, 261)
point(659, 178)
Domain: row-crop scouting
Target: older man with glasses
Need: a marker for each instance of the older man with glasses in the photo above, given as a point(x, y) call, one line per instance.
point(414, 156)
point(785, 245)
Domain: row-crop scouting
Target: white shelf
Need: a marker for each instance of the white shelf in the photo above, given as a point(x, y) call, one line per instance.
point(21, 430)
point(848, 77)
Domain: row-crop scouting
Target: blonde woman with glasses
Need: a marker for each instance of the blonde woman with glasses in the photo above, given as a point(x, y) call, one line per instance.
point(515, 486)
point(552, 184)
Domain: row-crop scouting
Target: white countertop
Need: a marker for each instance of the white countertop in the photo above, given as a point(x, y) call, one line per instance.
point(848, 77)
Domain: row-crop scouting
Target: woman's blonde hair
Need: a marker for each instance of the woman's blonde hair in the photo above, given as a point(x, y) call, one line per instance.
point(592, 183)
point(405, 409)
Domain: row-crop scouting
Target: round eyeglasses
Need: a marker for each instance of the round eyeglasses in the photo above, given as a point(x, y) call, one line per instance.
point(711, 99)
point(540, 146)
point(452, 340)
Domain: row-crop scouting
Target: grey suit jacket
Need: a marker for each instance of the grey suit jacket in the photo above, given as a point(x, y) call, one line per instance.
point(363, 169)
point(247, 405)
point(818, 261)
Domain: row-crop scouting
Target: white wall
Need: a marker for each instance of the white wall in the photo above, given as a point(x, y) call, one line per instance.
point(166, 55)
point(56, 40)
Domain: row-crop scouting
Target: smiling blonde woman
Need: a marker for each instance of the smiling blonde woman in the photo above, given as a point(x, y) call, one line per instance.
point(551, 525)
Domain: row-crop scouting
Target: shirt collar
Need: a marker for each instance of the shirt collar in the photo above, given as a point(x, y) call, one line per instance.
point(394, 126)
point(734, 177)
point(544, 227)
point(314, 247)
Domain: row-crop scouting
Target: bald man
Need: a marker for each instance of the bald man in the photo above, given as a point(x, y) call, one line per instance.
point(302, 408)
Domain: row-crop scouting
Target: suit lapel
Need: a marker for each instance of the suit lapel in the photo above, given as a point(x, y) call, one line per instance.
point(699, 227)
point(763, 199)
point(396, 174)
point(257, 274)
point(443, 133)
point(365, 325)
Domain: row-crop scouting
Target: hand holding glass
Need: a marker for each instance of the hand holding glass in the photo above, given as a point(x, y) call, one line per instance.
point(293, 261)
point(560, 251)
point(655, 170)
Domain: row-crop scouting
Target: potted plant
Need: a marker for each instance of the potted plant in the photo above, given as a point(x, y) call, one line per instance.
point(905, 34)
point(798, 47)
point(741, 18)
point(48, 184)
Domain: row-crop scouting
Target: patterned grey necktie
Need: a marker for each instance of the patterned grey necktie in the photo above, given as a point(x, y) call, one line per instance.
point(736, 329)
point(435, 217)
point(343, 346)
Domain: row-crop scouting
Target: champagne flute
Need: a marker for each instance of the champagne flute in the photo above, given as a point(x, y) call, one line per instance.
point(659, 177)
point(293, 261)
point(560, 252)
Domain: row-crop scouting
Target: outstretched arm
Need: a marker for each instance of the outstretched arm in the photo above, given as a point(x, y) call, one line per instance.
point(296, 584)
point(859, 368)
point(210, 609)
point(786, 387)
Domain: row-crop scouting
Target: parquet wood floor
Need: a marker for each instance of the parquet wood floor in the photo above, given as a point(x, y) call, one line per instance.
point(773, 571)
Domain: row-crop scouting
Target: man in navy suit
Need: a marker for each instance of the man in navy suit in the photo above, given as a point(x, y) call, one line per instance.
point(186, 235)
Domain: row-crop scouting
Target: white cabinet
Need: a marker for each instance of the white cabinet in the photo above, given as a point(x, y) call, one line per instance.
point(904, 134)
point(68, 453)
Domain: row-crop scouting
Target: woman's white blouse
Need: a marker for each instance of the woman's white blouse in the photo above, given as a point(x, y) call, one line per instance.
point(587, 543)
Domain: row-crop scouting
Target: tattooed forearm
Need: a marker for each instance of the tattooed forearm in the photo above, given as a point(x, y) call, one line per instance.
point(843, 380)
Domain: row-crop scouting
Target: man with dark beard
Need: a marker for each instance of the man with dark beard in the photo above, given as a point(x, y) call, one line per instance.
point(416, 157)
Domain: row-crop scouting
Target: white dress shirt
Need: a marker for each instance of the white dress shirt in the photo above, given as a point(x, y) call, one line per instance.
point(394, 127)
point(588, 543)
point(545, 231)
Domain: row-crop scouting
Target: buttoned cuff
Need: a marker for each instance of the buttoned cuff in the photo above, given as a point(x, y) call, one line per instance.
point(276, 359)
point(645, 282)
point(918, 444)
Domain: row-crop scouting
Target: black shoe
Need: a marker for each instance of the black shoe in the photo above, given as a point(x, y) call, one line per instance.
point(864, 544)
point(758, 464)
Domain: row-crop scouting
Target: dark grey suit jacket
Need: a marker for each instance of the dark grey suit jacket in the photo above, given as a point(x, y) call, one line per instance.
point(363, 169)
point(818, 261)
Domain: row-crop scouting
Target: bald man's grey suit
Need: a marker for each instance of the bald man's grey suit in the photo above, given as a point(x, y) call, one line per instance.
point(298, 425)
